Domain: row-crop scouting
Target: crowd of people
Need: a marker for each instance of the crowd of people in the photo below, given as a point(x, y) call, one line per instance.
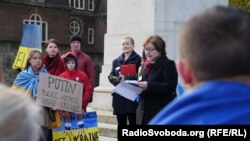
point(214, 66)
point(74, 65)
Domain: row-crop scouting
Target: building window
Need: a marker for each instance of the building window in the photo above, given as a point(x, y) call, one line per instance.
point(74, 27)
point(77, 4)
point(40, 1)
point(91, 5)
point(90, 36)
point(37, 20)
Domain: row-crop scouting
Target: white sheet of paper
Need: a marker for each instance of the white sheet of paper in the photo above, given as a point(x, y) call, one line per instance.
point(128, 91)
point(132, 82)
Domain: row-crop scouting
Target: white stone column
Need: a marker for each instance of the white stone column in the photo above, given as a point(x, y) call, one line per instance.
point(140, 19)
point(170, 15)
point(133, 18)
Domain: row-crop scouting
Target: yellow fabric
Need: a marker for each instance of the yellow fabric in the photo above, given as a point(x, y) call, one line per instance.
point(56, 120)
point(22, 57)
point(15, 87)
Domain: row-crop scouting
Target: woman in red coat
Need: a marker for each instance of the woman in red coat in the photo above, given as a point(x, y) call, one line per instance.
point(53, 64)
point(52, 60)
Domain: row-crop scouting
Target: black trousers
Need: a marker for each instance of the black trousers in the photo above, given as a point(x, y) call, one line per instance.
point(123, 118)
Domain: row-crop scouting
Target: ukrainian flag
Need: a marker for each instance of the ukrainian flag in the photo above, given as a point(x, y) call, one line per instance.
point(31, 40)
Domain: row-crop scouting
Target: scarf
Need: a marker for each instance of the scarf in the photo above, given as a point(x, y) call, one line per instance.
point(27, 81)
point(53, 65)
point(148, 66)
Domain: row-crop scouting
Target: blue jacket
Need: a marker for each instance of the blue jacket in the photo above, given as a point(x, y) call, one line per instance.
point(214, 102)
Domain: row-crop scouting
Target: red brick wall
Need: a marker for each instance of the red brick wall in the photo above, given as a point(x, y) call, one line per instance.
point(11, 24)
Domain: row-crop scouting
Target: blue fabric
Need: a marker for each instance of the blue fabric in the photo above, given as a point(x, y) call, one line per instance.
point(179, 89)
point(138, 98)
point(28, 81)
point(31, 36)
point(214, 102)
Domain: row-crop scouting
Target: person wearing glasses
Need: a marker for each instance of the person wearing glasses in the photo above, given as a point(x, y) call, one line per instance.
point(158, 80)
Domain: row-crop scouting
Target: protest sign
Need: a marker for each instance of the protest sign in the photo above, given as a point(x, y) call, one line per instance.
point(78, 129)
point(54, 91)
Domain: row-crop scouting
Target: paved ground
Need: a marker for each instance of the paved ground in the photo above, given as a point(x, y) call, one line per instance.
point(102, 138)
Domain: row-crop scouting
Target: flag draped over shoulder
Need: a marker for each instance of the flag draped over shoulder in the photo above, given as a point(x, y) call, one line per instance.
point(27, 81)
point(31, 40)
point(210, 103)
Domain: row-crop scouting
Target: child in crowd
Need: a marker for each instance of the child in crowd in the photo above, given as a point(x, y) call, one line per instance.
point(72, 73)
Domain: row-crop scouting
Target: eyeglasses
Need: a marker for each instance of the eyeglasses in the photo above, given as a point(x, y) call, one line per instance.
point(149, 49)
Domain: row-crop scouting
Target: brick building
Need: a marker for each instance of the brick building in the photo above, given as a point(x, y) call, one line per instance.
point(59, 19)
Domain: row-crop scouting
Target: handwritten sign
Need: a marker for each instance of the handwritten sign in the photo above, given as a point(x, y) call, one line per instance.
point(54, 91)
point(78, 129)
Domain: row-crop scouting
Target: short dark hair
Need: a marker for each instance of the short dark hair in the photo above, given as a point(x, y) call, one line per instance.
point(157, 42)
point(216, 43)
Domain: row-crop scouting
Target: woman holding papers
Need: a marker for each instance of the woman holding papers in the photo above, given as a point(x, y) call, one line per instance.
point(158, 80)
point(125, 68)
point(52, 60)
point(27, 82)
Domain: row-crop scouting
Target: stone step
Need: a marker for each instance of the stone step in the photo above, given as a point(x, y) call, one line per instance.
point(103, 138)
point(107, 130)
point(102, 98)
point(106, 117)
point(107, 123)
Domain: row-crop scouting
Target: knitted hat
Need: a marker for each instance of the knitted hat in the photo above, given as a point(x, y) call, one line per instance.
point(75, 38)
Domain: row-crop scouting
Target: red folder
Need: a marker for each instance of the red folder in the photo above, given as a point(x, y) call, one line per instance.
point(129, 69)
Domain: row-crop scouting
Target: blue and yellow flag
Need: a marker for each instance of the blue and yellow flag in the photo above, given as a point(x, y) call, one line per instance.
point(31, 40)
point(78, 128)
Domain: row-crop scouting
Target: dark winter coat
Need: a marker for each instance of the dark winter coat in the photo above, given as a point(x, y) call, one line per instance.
point(120, 104)
point(161, 89)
